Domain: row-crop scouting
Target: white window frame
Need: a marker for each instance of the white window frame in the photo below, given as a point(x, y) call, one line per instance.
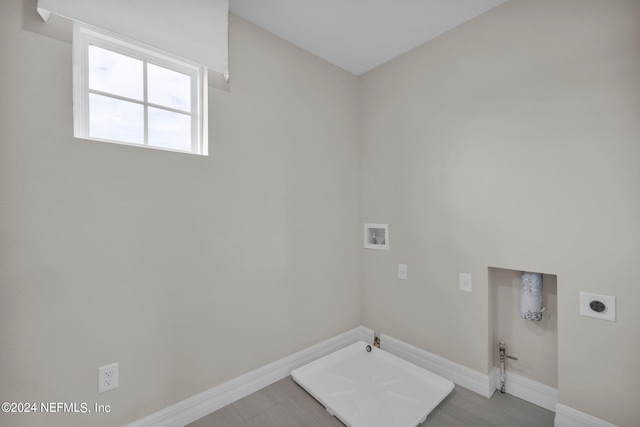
point(84, 36)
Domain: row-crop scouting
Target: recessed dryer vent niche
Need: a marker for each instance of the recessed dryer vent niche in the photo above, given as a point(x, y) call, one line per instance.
point(533, 342)
point(376, 236)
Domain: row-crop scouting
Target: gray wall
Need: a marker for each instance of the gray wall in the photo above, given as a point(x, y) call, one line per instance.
point(512, 141)
point(187, 270)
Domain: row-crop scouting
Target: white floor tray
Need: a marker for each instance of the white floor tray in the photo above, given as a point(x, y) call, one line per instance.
point(364, 386)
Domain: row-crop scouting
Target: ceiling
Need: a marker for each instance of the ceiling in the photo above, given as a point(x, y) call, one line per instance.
point(359, 35)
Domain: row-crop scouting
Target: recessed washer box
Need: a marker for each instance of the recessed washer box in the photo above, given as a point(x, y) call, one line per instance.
point(598, 306)
point(376, 236)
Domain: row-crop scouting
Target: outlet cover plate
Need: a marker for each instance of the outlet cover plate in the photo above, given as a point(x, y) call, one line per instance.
point(402, 271)
point(465, 282)
point(609, 302)
point(107, 377)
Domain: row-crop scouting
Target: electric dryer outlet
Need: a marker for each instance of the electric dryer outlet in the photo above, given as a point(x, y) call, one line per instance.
point(598, 306)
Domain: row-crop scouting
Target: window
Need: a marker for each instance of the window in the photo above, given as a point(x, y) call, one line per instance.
point(132, 94)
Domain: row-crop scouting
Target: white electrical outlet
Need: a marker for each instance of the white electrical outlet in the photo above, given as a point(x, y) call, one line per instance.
point(402, 271)
point(598, 306)
point(107, 377)
point(465, 282)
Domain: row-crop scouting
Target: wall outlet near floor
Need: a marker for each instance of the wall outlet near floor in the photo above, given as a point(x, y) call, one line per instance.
point(402, 271)
point(598, 306)
point(465, 282)
point(107, 377)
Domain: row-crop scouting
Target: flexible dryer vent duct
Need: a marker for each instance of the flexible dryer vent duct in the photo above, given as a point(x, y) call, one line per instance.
point(531, 296)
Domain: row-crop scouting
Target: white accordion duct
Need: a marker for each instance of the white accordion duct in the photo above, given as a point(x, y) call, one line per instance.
point(531, 296)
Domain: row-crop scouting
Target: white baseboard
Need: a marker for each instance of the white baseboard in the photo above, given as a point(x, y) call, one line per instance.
point(569, 417)
point(202, 404)
point(516, 385)
point(466, 377)
point(529, 390)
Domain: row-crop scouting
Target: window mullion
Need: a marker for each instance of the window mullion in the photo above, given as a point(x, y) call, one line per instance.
point(84, 88)
point(195, 134)
point(146, 103)
point(114, 96)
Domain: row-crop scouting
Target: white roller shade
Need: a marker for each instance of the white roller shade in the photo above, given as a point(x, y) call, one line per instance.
point(196, 30)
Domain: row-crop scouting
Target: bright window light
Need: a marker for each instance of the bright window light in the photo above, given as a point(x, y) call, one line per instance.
point(131, 94)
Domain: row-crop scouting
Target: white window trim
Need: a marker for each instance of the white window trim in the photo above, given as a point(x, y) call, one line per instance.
point(83, 36)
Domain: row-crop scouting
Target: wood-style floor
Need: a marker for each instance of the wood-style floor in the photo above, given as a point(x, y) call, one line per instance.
point(285, 404)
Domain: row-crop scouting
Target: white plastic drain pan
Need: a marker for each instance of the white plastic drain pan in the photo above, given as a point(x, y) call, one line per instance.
point(372, 388)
